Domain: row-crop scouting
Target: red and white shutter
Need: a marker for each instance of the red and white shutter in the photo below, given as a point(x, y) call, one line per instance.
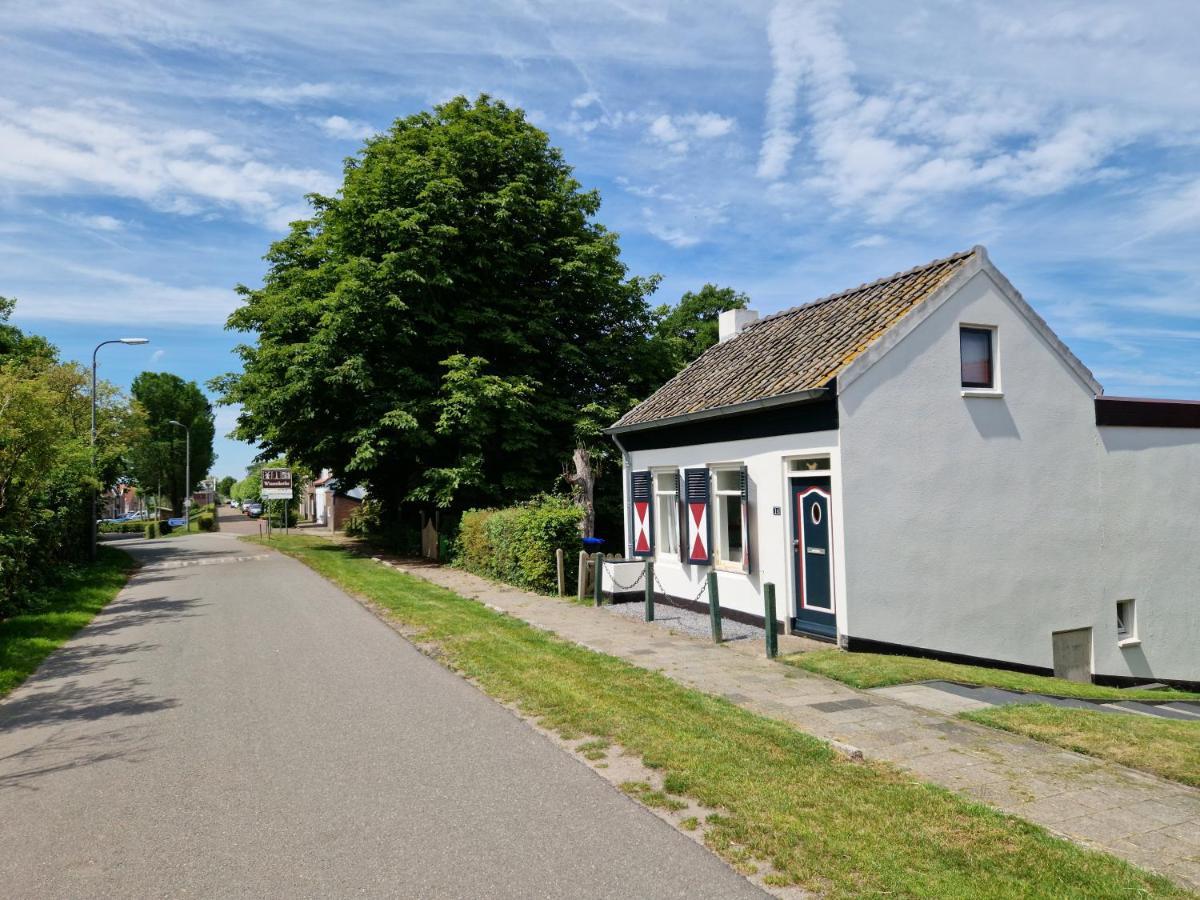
point(641, 491)
point(745, 484)
point(699, 526)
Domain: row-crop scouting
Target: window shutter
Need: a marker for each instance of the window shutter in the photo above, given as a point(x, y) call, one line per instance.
point(745, 484)
point(682, 510)
point(699, 522)
point(641, 490)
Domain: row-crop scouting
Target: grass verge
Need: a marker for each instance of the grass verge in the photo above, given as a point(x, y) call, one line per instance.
point(1164, 747)
point(841, 828)
point(871, 670)
point(27, 639)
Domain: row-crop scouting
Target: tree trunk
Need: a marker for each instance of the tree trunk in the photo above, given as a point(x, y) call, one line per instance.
point(583, 485)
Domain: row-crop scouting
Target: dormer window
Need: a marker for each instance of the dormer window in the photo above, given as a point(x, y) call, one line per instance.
point(977, 349)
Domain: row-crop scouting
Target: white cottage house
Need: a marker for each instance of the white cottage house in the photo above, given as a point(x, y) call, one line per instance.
point(920, 464)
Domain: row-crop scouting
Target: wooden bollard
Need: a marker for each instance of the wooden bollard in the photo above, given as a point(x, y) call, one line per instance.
point(581, 587)
point(560, 563)
point(769, 620)
point(714, 607)
point(649, 590)
point(599, 582)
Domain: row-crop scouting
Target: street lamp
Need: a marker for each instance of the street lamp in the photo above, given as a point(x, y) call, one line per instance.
point(131, 341)
point(187, 476)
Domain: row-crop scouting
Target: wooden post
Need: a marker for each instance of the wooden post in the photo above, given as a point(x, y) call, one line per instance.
point(769, 620)
point(599, 580)
point(581, 587)
point(560, 563)
point(649, 590)
point(714, 607)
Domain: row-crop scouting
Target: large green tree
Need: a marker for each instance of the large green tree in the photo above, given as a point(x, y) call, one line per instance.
point(159, 458)
point(436, 330)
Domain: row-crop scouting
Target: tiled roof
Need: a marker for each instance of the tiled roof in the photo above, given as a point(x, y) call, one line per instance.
point(795, 350)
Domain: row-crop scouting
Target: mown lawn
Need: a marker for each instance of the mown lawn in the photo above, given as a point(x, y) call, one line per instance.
point(871, 670)
point(1165, 747)
point(27, 639)
point(844, 829)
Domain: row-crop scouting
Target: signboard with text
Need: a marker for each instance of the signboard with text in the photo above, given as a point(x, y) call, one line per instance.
point(276, 484)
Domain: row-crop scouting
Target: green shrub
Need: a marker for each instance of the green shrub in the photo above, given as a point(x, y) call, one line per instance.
point(364, 521)
point(516, 545)
point(206, 522)
point(165, 527)
point(151, 530)
point(121, 527)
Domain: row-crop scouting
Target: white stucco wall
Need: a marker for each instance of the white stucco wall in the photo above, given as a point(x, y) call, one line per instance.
point(980, 525)
point(1150, 548)
point(766, 463)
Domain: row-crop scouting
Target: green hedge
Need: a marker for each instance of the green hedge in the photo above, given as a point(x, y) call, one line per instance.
point(206, 522)
point(516, 545)
point(151, 530)
point(122, 527)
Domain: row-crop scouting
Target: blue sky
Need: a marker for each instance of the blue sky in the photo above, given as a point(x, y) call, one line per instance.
point(149, 153)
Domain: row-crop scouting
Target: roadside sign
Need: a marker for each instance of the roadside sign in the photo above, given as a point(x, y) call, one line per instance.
point(276, 484)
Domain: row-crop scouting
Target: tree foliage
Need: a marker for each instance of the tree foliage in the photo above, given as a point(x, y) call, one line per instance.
point(435, 330)
point(46, 475)
point(161, 456)
point(687, 329)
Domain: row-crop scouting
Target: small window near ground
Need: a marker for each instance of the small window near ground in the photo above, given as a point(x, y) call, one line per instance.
point(666, 509)
point(1126, 624)
point(730, 540)
point(975, 344)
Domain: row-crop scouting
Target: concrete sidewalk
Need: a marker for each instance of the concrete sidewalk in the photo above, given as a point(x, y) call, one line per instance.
point(1146, 820)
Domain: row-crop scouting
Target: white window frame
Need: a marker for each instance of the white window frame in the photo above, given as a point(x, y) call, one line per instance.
point(720, 499)
point(1127, 637)
point(996, 390)
point(666, 515)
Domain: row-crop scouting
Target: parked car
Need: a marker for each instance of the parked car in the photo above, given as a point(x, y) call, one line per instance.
point(253, 509)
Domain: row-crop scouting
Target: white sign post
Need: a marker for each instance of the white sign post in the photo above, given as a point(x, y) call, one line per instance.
point(277, 485)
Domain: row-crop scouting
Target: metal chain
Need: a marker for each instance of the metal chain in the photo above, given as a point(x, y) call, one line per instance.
point(626, 587)
point(696, 599)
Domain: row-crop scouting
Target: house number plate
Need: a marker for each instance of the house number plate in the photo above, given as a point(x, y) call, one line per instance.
point(820, 550)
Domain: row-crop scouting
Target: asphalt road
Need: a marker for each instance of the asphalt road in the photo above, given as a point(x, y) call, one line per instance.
point(238, 727)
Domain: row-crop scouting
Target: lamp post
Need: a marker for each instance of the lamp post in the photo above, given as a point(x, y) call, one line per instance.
point(187, 476)
point(95, 492)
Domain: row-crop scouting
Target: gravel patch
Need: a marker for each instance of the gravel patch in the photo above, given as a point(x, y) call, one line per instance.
point(686, 622)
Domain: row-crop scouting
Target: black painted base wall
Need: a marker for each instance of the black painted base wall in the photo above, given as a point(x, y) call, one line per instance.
point(866, 645)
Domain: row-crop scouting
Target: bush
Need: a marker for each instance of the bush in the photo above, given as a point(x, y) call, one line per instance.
point(165, 527)
point(516, 545)
point(151, 530)
point(364, 521)
point(206, 522)
point(121, 527)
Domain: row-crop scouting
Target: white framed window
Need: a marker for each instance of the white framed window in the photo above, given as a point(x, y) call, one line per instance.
point(666, 514)
point(1126, 621)
point(979, 360)
point(730, 518)
point(808, 464)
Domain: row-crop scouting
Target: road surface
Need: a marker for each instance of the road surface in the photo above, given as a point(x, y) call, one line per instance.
point(234, 726)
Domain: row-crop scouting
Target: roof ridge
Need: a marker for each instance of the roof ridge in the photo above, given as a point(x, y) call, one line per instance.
point(896, 276)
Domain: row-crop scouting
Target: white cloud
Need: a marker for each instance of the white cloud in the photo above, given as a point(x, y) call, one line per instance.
point(49, 150)
point(97, 222)
point(284, 94)
point(678, 132)
point(346, 129)
point(884, 151)
point(583, 101)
